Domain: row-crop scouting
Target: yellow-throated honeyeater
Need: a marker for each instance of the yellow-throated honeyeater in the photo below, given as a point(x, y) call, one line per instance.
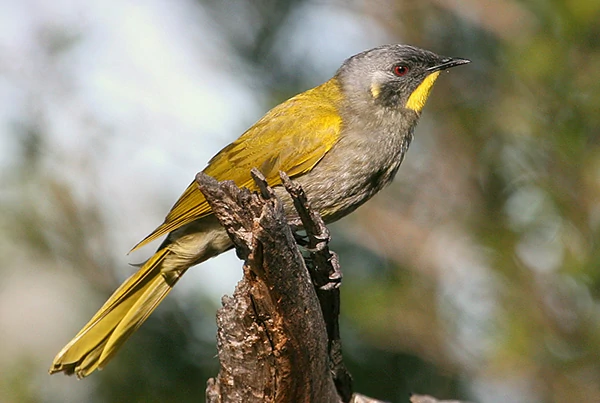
point(342, 141)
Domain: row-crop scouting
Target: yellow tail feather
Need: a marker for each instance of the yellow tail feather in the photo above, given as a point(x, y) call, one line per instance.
point(119, 317)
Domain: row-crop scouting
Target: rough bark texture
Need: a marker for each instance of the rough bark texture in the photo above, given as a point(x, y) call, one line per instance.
point(326, 276)
point(278, 335)
point(272, 339)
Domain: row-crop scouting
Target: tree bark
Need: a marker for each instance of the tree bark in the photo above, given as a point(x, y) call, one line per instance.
point(278, 335)
point(272, 339)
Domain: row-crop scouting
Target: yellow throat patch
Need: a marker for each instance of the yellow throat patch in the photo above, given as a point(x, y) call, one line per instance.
point(417, 99)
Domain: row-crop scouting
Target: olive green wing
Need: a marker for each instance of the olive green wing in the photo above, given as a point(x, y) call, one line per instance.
point(292, 137)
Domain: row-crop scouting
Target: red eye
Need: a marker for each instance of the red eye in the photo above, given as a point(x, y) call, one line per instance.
point(400, 70)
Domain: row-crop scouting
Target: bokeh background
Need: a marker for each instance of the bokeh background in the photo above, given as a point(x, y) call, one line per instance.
point(475, 276)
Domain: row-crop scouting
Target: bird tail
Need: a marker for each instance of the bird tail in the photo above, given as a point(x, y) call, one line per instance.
point(119, 317)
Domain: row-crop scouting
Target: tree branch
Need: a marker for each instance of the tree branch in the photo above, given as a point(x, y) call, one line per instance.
point(278, 335)
point(272, 339)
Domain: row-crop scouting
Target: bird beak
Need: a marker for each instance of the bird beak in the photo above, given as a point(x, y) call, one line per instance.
point(447, 63)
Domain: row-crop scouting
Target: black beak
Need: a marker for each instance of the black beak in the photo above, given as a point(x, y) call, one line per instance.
point(448, 62)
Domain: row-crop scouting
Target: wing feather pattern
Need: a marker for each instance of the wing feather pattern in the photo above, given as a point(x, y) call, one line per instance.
point(292, 137)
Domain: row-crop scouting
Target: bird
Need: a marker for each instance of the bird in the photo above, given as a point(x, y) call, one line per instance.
point(341, 141)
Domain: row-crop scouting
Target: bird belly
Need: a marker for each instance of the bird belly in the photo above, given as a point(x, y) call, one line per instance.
point(349, 176)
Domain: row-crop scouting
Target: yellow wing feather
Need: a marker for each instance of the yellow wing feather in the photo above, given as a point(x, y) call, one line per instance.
point(292, 137)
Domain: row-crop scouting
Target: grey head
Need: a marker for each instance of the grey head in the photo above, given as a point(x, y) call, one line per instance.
point(388, 76)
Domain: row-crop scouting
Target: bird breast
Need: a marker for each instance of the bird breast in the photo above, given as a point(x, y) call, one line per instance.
point(359, 165)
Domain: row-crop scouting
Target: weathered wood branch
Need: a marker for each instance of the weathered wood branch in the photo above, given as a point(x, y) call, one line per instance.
point(278, 335)
point(272, 339)
point(326, 276)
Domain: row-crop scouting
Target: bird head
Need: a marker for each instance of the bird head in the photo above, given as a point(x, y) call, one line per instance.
point(392, 77)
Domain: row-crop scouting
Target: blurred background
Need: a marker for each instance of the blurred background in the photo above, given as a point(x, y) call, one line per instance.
point(475, 276)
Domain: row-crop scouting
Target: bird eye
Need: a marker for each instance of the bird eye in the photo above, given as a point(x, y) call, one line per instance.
point(400, 70)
